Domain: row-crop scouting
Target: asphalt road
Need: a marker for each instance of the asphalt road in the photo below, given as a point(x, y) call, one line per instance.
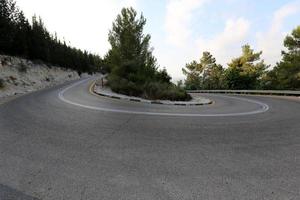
point(65, 143)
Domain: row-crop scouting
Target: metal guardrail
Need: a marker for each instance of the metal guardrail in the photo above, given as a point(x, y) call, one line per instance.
point(257, 92)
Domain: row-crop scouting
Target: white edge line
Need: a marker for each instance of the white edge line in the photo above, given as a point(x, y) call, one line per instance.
point(264, 107)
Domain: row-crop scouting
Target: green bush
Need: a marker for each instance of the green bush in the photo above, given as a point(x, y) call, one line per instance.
point(2, 85)
point(165, 91)
point(150, 90)
point(123, 86)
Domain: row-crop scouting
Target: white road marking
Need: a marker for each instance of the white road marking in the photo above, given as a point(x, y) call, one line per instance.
point(264, 107)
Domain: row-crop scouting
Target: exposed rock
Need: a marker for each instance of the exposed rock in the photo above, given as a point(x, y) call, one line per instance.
point(21, 76)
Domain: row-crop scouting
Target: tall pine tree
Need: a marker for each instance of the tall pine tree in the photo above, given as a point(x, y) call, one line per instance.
point(286, 74)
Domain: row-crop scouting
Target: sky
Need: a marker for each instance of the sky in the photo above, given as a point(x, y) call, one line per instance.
point(180, 29)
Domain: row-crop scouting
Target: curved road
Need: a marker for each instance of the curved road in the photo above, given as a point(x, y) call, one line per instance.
point(65, 143)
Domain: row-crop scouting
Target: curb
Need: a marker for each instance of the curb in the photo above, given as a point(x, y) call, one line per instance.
point(157, 102)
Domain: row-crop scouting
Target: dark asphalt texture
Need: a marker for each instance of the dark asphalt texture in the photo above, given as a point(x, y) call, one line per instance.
point(50, 149)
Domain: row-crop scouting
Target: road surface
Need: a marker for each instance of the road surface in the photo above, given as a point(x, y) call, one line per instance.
point(65, 143)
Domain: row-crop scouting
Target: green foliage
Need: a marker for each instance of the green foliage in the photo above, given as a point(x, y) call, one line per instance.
point(19, 38)
point(246, 71)
point(7, 10)
point(124, 86)
point(165, 91)
point(162, 76)
point(214, 78)
point(286, 74)
point(133, 68)
point(130, 56)
point(212, 73)
point(150, 90)
point(204, 75)
point(193, 73)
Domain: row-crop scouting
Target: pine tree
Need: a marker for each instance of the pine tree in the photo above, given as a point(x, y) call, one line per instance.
point(193, 71)
point(133, 68)
point(20, 44)
point(212, 72)
point(204, 75)
point(130, 56)
point(246, 71)
point(7, 11)
point(286, 74)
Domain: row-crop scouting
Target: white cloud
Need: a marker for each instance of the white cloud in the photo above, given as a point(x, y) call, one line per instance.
point(179, 46)
point(177, 21)
point(185, 48)
point(271, 41)
point(227, 44)
point(84, 23)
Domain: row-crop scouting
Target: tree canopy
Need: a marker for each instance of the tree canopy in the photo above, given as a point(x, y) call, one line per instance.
point(245, 71)
point(133, 68)
point(33, 41)
point(206, 74)
point(286, 74)
point(248, 71)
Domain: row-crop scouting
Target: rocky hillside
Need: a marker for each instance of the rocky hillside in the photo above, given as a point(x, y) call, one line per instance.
point(19, 76)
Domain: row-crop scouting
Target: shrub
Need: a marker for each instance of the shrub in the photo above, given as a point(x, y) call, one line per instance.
point(2, 84)
point(123, 86)
point(22, 68)
point(165, 91)
point(150, 90)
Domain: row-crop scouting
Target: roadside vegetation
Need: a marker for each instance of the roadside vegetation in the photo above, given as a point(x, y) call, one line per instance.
point(248, 71)
point(133, 68)
point(286, 74)
point(2, 85)
point(33, 41)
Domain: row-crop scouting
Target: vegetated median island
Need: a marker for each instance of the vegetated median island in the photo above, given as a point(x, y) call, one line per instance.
point(133, 70)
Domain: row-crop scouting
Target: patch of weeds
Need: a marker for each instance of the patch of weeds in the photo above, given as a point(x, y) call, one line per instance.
point(2, 84)
point(5, 61)
point(23, 68)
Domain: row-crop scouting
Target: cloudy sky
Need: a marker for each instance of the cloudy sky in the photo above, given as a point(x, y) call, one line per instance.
point(181, 29)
